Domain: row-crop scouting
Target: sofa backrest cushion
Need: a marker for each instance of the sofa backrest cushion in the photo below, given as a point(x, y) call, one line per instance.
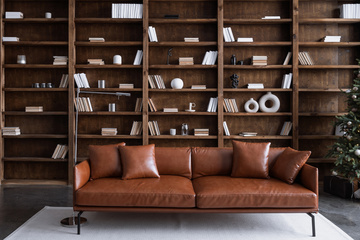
point(212, 161)
point(173, 161)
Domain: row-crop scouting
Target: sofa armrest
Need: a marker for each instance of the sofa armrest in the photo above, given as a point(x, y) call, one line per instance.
point(81, 174)
point(309, 178)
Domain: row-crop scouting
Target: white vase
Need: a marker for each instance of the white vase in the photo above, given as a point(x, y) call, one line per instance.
point(177, 83)
point(269, 97)
point(117, 60)
point(249, 103)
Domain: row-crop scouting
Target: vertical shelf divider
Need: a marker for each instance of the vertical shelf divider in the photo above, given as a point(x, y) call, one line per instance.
point(2, 86)
point(220, 86)
point(295, 70)
point(145, 72)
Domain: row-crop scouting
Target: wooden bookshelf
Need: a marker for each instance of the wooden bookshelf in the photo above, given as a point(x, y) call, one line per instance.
point(312, 103)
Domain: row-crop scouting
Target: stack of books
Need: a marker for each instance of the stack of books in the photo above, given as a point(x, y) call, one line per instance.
point(138, 57)
point(305, 59)
point(259, 60)
point(249, 39)
point(271, 17)
point(228, 34)
point(195, 39)
point(136, 128)
point(170, 110)
point(212, 106)
point(152, 34)
point(248, 134)
point(226, 129)
point(350, 11)
point(138, 105)
point(64, 81)
point(126, 85)
point(60, 60)
point(127, 10)
point(230, 105)
point(10, 39)
point(154, 128)
point(286, 129)
point(156, 81)
point(95, 61)
point(34, 109)
point(255, 85)
point(287, 58)
point(14, 15)
point(96, 39)
point(198, 86)
point(83, 104)
point(286, 82)
point(186, 61)
point(201, 132)
point(108, 131)
point(60, 151)
point(151, 105)
point(210, 58)
point(10, 131)
point(81, 80)
point(332, 39)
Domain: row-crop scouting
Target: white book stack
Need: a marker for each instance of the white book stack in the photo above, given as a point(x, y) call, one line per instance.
point(305, 59)
point(10, 39)
point(201, 132)
point(81, 80)
point(96, 39)
point(138, 57)
point(126, 85)
point(248, 134)
point(271, 17)
point(228, 34)
point(60, 151)
point(186, 61)
point(138, 105)
point(332, 38)
point(249, 39)
point(189, 39)
point(255, 85)
point(108, 131)
point(286, 129)
point(83, 104)
point(152, 34)
point(60, 60)
point(95, 61)
point(154, 128)
point(34, 109)
point(127, 10)
point(212, 106)
point(10, 131)
point(198, 86)
point(156, 81)
point(230, 105)
point(259, 60)
point(350, 11)
point(226, 129)
point(210, 58)
point(64, 81)
point(170, 110)
point(14, 15)
point(287, 58)
point(286, 82)
point(136, 128)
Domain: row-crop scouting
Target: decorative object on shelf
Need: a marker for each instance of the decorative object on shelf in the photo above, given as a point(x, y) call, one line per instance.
point(49, 85)
point(117, 59)
point(234, 80)
point(43, 85)
point(233, 60)
point(269, 97)
point(240, 62)
point(101, 83)
point(253, 103)
point(177, 83)
point(21, 59)
point(48, 15)
point(191, 105)
point(36, 85)
point(112, 107)
point(169, 54)
point(172, 131)
point(184, 129)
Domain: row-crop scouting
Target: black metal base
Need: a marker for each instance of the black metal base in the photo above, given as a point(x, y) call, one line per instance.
point(313, 224)
point(73, 222)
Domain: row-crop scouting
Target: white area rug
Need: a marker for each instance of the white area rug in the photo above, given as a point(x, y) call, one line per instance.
point(163, 226)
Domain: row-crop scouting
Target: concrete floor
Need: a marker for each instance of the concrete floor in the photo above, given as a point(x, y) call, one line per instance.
point(19, 203)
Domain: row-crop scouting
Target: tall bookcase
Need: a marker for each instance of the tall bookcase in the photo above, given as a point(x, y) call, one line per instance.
point(311, 103)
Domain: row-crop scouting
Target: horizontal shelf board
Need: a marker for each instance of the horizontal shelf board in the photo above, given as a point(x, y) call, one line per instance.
point(329, 44)
point(258, 137)
point(107, 66)
point(312, 114)
point(320, 137)
point(33, 182)
point(257, 90)
point(183, 20)
point(36, 43)
point(34, 66)
point(258, 114)
point(106, 113)
point(195, 66)
point(111, 89)
point(182, 137)
point(38, 136)
point(257, 21)
point(252, 67)
point(182, 113)
point(86, 136)
point(45, 113)
point(320, 90)
point(108, 44)
point(169, 90)
point(36, 89)
point(32, 159)
point(36, 20)
point(256, 44)
point(182, 44)
point(321, 160)
point(108, 20)
point(328, 21)
point(328, 66)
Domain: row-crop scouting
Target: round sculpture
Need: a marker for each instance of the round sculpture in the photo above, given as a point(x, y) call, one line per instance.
point(177, 83)
point(253, 103)
point(269, 97)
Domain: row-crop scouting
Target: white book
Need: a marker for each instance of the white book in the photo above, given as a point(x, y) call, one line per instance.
point(287, 58)
point(170, 110)
point(245, 39)
point(10, 39)
point(271, 17)
point(14, 15)
point(55, 151)
point(138, 57)
point(231, 34)
point(78, 80)
point(89, 104)
point(210, 105)
point(205, 58)
point(226, 35)
point(151, 37)
point(255, 85)
point(259, 57)
point(84, 80)
point(288, 83)
point(214, 105)
point(226, 129)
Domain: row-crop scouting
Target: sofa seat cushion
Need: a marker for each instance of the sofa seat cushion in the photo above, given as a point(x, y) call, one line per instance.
point(166, 191)
point(228, 192)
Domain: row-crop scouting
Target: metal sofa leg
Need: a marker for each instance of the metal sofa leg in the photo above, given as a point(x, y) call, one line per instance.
point(313, 224)
point(79, 222)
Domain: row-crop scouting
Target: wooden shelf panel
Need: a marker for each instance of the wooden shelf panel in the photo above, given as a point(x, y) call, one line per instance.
point(321, 90)
point(182, 44)
point(104, 113)
point(257, 21)
point(182, 21)
point(329, 44)
point(86, 136)
point(183, 113)
point(107, 20)
point(257, 90)
point(256, 44)
point(32, 159)
point(272, 137)
point(328, 66)
point(33, 182)
point(318, 137)
point(258, 114)
point(108, 44)
point(328, 21)
point(169, 90)
point(251, 67)
point(36, 20)
point(38, 136)
point(106, 66)
point(35, 89)
point(111, 89)
point(313, 114)
point(182, 137)
point(195, 66)
point(36, 43)
point(45, 113)
point(24, 66)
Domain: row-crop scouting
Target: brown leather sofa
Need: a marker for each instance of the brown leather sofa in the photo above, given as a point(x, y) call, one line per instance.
point(197, 180)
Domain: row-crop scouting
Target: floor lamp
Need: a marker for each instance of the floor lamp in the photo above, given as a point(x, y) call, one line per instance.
point(73, 220)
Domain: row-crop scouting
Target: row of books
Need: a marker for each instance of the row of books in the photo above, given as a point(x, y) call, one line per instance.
point(83, 104)
point(60, 60)
point(156, 81)
point(259, 60)
point(152, 34)
point(198, 86)
point(286, 82)
point(96, 39)
point(60, 151)
point(248, 134)
point(34, 109)
point(212, 106)
point(255, 85)
point(170, 110)
point(109, 131)
point(95, 61)
point(350, 11)
point(64, 81)
point(126, 85)
point(194, 39)
point(138, 105)
point(305, 59)
point(138, 57)
point(210, 58)
point(81, 80)
point(152, 105)
point(154, 128)
point(228, 34)
point(186, 61)
point(127, 10)
point(230, 105)
point(14, 15)
point(10, 39)
point(332, 38)
point(10, 131)
point(201, 132)
point(136, 128)
point(286, 128)
point(226, 129)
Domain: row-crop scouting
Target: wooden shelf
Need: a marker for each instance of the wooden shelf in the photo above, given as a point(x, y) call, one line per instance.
point(29, 136)
point(36, 43)
point(256, 44)
point(170, 90)
point(257, 21)
point(107, 66)
point(35, 89)
point(105, 113)
point(257, 90)
point(258, 114)
point(111, 89)
point(252, 67)
point(97, 136)
point(25, 66)
point(108, 44)
point(182, 21)
point(195, 66)
point(269, 137)
point(318, 137)
point(329, 44)
point(335, 90)
point(107, 20)
point(328, 66)
point(314, 114)
point(45, 113)
point(33, 182)
point(182, 137)
point(32, 159)
point(183, 44)
point(182, 113)
point(36, 20)
point(328, 21)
